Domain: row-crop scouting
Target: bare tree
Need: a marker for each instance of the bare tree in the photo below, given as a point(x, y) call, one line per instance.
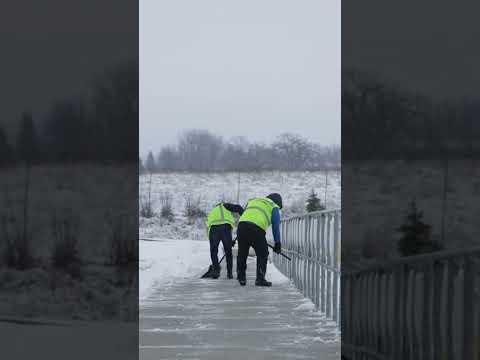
point(199, 150)
point(295, 151)
point(168, 159)
point(28, 153)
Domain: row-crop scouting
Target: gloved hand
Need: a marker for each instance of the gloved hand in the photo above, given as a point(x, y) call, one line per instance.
point(277, 248)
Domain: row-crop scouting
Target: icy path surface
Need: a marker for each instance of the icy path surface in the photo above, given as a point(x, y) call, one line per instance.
point(218, 319)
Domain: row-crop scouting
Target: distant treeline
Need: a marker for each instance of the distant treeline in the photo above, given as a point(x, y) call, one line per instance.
point(202, 151)
point(381, 121)
point(102, 126)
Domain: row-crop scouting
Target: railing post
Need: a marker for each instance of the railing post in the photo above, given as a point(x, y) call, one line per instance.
point(436, 309)
point(468, 294)
point(329, 264)
point(335, 264)
point(313, 242)
point(318, 264)
point(323, 306)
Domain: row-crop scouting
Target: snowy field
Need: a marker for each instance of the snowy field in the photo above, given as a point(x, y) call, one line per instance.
point(383, 190)
point(88, 195)
point(209, 189)
point(89, 200)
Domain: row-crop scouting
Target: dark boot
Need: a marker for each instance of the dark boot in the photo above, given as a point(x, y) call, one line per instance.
point(262, 282)
point(216, 272)
point(241, 279)
point(208, 274)
point(229, 269)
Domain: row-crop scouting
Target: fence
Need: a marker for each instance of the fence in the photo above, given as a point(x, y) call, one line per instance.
point(313, 243)
point(422, 307)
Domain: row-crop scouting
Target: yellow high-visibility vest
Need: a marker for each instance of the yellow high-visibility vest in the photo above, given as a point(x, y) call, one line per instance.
point(259, 212)
point(219, 215)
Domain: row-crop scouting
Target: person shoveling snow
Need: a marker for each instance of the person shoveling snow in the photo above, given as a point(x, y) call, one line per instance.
point(220, 223)
point(259, 214)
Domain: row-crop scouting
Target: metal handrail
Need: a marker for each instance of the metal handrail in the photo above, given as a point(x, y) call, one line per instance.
point(419, 307)
point(313, 242)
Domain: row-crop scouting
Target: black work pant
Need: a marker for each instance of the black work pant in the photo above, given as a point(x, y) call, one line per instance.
point(249, 234)
point(221, 233)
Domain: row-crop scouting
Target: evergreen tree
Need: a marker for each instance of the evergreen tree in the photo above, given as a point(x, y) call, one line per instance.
point(65, 132)
point(150, 165)
point(28, 146)
point(415, 237)
point(6, 152)
point(313, 202)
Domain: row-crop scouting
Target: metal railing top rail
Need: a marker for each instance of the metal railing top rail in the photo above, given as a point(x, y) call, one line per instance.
point(414, 260)
point(313, 213)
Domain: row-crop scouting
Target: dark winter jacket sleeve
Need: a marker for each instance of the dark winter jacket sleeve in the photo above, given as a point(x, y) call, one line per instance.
point(233, 208)
point(276, 225)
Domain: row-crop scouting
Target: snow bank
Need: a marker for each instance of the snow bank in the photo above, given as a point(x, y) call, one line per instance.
point(306, 306)
point(164, 261)
point(274, 275)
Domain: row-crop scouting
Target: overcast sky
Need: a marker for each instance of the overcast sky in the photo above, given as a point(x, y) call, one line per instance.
point(428, 47)
point(48, 55)
point(251, 68)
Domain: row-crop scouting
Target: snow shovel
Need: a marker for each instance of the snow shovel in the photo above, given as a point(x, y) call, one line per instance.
point(285, 256)
point(210, 269)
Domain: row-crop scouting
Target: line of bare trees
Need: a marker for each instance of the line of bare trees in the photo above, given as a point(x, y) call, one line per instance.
point(382, 121)
point(202, 151)
point(100, 127)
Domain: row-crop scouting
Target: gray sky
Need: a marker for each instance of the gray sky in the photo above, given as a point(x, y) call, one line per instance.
point(428, 47)
point(47, 55)
point(251, 68)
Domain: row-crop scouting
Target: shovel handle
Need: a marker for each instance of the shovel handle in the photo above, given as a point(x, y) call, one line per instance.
point(285, 256)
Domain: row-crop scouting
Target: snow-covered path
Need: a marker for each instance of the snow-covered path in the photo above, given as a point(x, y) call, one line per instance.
point(165, 261)
point(218, 319)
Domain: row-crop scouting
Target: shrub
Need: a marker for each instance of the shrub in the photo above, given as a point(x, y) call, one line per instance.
point(193, 210)
point(65, 254)
point(146, 208)
point(123, 241)
point(166, 211)
point(313, 203)
point(415, 237)
point(17, 251)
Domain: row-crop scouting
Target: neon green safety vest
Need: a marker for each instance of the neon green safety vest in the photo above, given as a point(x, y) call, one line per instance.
point(259, 212)
point(219, 215)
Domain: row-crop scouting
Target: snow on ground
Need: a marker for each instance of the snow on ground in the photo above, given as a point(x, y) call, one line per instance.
point(100, 293)
point(182, 249)
point(209, 189)
point(92, 202)
point(104, 340)
point(379, 193)
point(164, 261)
point(274, 275)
